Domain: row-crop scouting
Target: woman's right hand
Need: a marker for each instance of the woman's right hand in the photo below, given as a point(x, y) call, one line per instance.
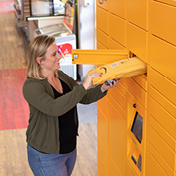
point(88, 79)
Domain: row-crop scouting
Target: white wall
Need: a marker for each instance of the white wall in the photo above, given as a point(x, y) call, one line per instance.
point(87, 16)
point(87, 26)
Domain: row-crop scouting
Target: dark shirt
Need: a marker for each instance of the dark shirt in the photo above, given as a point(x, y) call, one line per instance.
point(67, 126)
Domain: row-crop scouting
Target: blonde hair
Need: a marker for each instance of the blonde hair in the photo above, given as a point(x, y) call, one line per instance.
point(37, 48)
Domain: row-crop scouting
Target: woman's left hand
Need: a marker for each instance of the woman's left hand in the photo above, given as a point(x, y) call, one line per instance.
point(105, 86)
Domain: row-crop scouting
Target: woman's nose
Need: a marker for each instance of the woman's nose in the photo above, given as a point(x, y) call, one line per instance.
point(59, 56)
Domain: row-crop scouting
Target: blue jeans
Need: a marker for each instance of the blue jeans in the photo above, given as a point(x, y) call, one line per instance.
point(43, 164)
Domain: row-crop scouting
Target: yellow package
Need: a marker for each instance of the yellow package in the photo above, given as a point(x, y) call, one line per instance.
point(123, 68)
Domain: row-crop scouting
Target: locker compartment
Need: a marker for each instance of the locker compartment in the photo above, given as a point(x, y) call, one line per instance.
point(163, 133)
point(129, 171)
point(117, 29)
point(118, 8)
point(162, 85)
point(123, 81)
point(102, 151)
point(119, 97)
point(103, 105)
point(153, 168)
point(138, 93)
point(170, 2)
point(141, 80)
point(116, 104)
point(162, 147)
point(100, 46)
point(159, 98)
point(165, 119)
point(114, 44)
point(102, 127)
point(102, 169)
point(102, 3)
point(117, 138)
point(121, 87)
point(162, 21)
point(162, 57)
point(113, 169)
point(137, 12)
point(156, 165)
point(136, 41)
point(102, 38)
point(102, 20)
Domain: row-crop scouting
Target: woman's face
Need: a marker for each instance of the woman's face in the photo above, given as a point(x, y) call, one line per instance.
point(52, 58)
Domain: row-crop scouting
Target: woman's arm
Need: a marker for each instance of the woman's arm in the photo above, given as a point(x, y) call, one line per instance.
point(93, 94)
point(37, 95)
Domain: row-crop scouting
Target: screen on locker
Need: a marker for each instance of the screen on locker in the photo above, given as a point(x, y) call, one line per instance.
point(136, 128)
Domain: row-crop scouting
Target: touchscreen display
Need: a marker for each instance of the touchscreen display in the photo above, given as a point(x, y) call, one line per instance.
point(137, 126)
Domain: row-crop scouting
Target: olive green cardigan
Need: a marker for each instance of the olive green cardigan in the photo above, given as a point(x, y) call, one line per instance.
point(43, 129)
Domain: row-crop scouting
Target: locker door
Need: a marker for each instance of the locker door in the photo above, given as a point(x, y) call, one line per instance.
point(98, 57)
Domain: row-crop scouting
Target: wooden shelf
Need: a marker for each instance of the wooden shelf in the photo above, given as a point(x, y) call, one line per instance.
point(18, 4)
point(22, 10)
point(18, 19)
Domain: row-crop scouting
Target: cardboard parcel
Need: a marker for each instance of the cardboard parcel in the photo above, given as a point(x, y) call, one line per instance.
point(123, 68)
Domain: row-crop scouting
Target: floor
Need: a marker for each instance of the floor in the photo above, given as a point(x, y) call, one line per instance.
point(14, 110)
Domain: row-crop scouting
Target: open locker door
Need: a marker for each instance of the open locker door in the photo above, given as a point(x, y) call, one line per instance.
point(112, 63)
point(98, 57)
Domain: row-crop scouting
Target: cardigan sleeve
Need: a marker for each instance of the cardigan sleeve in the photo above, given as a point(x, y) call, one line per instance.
point(93, 94)
point(37, 96)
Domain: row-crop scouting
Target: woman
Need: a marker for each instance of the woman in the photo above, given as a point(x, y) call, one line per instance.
point(52, 97)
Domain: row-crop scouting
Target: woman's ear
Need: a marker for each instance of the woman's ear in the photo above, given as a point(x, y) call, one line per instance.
point(38, 59)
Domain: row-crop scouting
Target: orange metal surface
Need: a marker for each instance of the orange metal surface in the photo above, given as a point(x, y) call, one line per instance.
point(119, 97)
point(164, 118)
point(163, 85)
point(102, 20)
point(98, 57)
point(118, 8)
point(165, 53)
point(155, 168)
point(163, 101)
point(114, 44)
point(100, 46)
point(146, 29)
point(103, 103)
point(104, 153)
point(163, 133)
point(129, 170)
point(137, 12)
point(169, 2)
point(115, 102)
point(162, 147)
point(102, 38)
point(136, 41)
point(117, 24)
point(117, 139)
point(102, 171)
point(138, 93)
point(103, 128)
point(103, 4)
point(113, 169)
point(162, 21)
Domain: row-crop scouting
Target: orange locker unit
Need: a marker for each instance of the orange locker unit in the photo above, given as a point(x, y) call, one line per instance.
point(137, 118)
